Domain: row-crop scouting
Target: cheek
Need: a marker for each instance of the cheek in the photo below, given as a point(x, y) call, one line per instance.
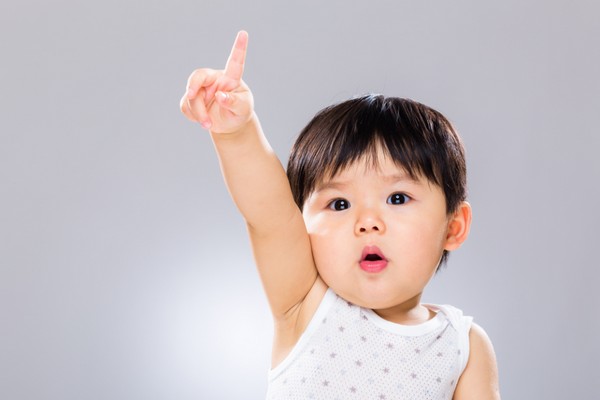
point(323, 247)
point(329, 248)
point(322, 232)
point(419, 241)
point(327, 254)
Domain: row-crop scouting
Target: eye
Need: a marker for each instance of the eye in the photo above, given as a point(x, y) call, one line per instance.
point(398, 198)
point(339, 205)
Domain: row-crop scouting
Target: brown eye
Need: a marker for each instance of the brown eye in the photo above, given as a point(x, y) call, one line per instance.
point(339, 205)
point(398, 198)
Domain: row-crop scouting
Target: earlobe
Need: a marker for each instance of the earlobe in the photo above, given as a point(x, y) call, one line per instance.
point(459, 226)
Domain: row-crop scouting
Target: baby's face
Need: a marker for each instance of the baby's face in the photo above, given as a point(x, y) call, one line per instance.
point(377, 235)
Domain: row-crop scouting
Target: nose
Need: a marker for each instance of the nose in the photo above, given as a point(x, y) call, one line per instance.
point(369, 221)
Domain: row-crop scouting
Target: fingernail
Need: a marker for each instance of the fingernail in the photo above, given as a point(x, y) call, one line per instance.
point(222, 96)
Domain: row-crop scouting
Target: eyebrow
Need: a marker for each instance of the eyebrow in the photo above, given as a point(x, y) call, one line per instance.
point(391, 179)
point(330, 185)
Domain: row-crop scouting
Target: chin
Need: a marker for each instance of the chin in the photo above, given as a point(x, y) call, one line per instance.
point(374, 301)
point(377, 304)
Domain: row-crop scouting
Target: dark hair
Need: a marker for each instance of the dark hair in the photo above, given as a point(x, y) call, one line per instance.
point(418, 138)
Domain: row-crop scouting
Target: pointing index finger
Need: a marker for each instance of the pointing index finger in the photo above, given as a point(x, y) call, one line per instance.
point(234, 69)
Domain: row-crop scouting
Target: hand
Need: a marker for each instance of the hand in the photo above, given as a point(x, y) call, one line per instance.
point(218, 99)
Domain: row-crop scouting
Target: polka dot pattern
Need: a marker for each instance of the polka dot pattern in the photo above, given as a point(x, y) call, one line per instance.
point(348, 352)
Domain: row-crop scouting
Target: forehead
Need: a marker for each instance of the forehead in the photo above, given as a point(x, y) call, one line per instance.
point(381, 167)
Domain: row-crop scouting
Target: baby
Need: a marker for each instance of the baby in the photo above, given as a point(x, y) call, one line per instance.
point(373, 201)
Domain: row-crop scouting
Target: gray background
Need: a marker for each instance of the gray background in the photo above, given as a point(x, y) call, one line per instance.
point(125, 272)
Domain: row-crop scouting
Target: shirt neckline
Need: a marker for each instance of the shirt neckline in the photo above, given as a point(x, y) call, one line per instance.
point(406, 330)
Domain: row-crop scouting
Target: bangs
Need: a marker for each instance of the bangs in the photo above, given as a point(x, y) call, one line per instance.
point(414, 136)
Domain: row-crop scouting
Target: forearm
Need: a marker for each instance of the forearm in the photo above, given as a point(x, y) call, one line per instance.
point(255, 177)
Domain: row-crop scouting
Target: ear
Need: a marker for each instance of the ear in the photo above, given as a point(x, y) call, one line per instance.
point(459, 225)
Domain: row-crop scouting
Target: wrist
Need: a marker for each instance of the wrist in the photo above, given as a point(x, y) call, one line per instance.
point(251, 124)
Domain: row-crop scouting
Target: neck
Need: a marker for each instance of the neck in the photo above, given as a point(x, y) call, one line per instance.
point(410, 312)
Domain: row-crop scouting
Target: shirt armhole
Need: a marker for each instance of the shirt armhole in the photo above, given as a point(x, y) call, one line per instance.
point(312, 327)
point(462, 324)
point(464, 342)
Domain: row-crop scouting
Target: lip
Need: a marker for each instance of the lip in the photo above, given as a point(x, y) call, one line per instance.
point(372, 266)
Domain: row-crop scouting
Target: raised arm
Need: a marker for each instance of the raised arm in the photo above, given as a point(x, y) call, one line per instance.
point(221, 102)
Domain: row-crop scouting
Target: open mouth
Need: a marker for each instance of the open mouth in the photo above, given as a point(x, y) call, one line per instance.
point(372, 257)
point(372, 260)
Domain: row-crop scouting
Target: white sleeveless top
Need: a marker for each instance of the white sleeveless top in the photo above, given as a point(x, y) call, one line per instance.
point(349, 352)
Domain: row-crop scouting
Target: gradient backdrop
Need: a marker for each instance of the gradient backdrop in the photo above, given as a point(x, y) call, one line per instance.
point(125, 272)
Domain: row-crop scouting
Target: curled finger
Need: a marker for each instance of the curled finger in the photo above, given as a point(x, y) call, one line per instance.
point(184, 106)
point(200, 78)
point(238, 103)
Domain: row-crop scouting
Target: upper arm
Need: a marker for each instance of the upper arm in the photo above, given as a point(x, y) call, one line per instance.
point(479, 381)
point(285, 264)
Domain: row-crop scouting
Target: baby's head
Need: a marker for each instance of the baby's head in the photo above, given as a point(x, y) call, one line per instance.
point(418, 139)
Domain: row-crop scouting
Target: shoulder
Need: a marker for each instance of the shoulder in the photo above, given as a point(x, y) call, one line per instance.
point(480, 377)
point(453, 314)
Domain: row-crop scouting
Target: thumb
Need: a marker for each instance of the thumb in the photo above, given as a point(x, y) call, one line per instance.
point(238, 103)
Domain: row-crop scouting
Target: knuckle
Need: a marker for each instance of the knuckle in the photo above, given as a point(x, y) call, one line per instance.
point(196, 75)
